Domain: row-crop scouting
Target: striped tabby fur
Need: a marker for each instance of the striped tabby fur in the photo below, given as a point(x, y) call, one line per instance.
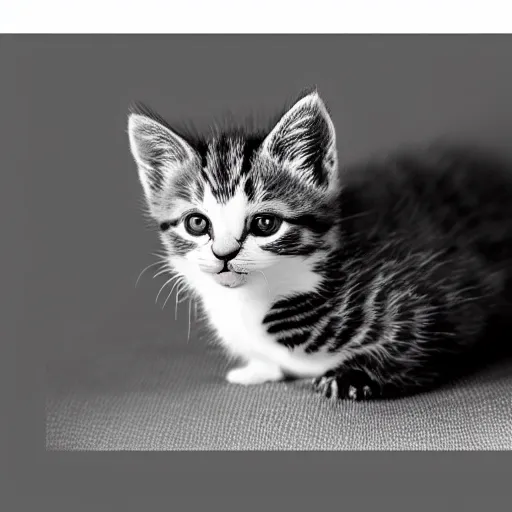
point(375, 280)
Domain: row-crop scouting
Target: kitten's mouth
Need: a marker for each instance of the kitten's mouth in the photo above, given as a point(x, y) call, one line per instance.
point(230, 278)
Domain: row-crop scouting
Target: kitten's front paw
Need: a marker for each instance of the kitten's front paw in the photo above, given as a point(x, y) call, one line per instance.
point(255, 372)
point(351, 384)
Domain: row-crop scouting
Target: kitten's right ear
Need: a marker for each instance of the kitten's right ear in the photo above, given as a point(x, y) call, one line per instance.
point(158, 152)
point(304, 140)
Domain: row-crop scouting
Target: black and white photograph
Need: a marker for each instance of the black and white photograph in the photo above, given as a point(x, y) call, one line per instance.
point(270, 242)
point(260, 242)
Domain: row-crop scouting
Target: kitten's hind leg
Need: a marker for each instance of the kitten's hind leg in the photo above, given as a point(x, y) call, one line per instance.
point(255, 372)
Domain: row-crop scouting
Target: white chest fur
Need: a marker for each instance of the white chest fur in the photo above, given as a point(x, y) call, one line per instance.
point(237, 315)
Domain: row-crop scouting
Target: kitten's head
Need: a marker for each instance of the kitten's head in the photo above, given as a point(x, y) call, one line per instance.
point(236, 203)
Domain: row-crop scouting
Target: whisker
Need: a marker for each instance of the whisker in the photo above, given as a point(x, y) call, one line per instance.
point(159, 254)
point(173, 286)
point(164, 285)
point(184, 299)
point(266, 280)
point(189, 322)
point(176, 307)
point(166, 269)
point(146, 268)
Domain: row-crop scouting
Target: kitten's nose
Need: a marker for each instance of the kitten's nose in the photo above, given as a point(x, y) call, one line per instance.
point(226, 255)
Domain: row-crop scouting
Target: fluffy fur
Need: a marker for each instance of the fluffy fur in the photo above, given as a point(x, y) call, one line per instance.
point(374, 280)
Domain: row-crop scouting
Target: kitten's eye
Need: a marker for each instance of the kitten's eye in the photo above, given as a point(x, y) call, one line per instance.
point(197, 224)
point(265, 225)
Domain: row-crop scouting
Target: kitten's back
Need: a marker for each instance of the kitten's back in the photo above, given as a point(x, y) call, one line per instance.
point(438, 198)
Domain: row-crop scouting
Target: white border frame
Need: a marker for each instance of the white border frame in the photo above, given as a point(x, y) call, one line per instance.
point(255, 16)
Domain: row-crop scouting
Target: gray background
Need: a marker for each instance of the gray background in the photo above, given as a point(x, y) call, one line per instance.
point(70, 193)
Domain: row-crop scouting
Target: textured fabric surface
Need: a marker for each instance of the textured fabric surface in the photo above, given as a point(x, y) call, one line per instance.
point(155, 396)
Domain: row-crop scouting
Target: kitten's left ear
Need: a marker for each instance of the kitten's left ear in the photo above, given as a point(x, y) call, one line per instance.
point(304, 141)
point(160, 153)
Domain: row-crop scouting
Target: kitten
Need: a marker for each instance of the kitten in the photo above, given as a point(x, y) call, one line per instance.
point(373, 280)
